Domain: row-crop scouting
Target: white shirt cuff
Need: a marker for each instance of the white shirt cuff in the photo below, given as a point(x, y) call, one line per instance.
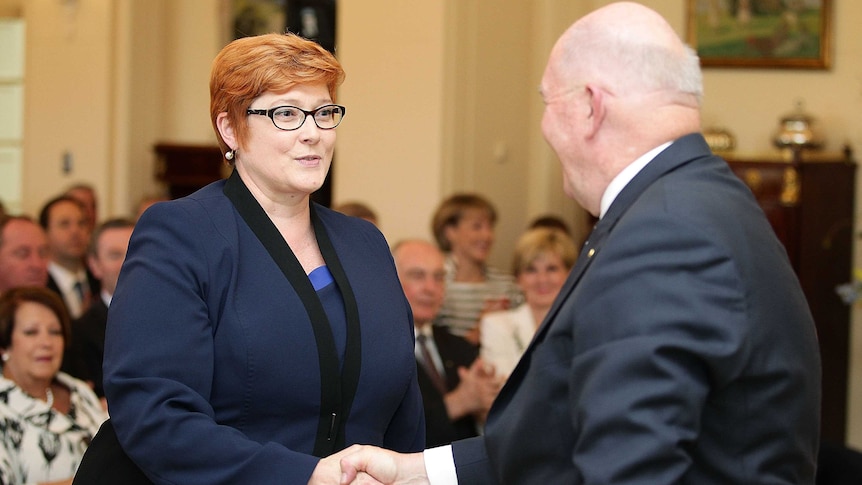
point(440, 466)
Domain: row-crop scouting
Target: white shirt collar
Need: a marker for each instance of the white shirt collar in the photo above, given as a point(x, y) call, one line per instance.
point(425, 330)
point(64, 278)
point(106, 297)
point(625, 176)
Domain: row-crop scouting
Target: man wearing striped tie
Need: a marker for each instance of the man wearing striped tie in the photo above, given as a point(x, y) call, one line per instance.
point(457, 387)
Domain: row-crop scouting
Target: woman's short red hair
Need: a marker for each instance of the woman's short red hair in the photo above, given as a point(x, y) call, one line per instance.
point(251, 66)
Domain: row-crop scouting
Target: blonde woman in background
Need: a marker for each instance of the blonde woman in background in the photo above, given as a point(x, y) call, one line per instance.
point(543, 258)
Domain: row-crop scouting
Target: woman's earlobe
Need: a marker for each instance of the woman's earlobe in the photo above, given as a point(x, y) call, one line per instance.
point(225, 129)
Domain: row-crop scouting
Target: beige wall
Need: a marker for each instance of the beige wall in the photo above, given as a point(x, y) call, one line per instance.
point(391, 143)
point(441, 96)
point(67, 97)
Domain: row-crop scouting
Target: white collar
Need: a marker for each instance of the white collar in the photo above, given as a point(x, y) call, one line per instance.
point(625, 176)
point(425, 330)
point(64, 278)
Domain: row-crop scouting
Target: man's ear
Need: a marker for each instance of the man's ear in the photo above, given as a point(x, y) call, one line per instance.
point(596, 101)
point(225, 129)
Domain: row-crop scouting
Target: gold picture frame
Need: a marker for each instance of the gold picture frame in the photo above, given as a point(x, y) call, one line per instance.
point(761, 33)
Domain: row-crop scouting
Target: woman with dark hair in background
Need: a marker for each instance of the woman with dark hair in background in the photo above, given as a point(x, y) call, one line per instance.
point(47, 417)
point(463, 226)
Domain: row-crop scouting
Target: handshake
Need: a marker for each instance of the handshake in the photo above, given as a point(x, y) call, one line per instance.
point(367, 465)
point(370, 465)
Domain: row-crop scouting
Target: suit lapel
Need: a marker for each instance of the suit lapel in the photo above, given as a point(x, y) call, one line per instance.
point(680, 152)
point(591, 247)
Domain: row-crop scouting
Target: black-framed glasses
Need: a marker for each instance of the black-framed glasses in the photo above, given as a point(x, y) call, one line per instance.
point(289, 118)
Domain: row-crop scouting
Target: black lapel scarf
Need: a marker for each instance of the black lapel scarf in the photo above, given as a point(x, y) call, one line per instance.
point(337, 386)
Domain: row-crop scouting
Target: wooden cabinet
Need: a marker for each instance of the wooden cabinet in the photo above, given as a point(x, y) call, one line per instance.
point(186, 168)
point(809, 200)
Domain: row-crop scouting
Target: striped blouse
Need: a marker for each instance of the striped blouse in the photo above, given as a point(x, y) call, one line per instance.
point(463, 303)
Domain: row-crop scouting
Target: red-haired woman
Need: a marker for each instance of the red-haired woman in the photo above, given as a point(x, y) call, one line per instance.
point(254, 332)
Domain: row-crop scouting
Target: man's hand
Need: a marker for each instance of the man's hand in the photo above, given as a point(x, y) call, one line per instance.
point(382, 467)
point(477, 389)
point(328, 470)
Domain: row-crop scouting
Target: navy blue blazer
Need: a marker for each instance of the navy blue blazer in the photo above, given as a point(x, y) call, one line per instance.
point(681, 349)
point(211, 366)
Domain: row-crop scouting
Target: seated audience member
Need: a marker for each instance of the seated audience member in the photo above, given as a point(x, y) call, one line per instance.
point(24, 253)
point(86, 195)
point(47, 417)
point(543, 258)
point(463, 226)
point(105, 257)
point(65, 223)
point(457, 389)
point(357, 209)
point(550, 220)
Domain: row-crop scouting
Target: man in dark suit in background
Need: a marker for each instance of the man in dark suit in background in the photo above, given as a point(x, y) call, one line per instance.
point(65, 223)
point(105, 256)
point(681, 349)
point(457, 389)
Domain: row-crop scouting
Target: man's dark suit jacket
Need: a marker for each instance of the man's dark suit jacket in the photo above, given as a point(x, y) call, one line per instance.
point(680, 350)
point(454, 352)
point(83, 358)
point(94, 283)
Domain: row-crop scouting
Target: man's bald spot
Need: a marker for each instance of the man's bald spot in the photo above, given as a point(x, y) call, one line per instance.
point(606, 46)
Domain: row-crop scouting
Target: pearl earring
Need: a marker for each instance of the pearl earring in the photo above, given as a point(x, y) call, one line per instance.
point(5, 357)
point(230, 154)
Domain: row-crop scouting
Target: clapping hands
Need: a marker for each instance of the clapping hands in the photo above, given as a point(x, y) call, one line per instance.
point(476, 391)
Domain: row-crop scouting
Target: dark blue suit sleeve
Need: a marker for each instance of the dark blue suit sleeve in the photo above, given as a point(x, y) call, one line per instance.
point(407, 429)
point(159, 360)
point(471, 462)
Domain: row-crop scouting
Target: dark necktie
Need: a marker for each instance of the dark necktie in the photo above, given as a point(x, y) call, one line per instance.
point(83, 293)
point(430, 367)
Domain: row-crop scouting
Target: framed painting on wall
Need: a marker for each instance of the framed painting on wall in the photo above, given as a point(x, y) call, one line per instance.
point(761, 33)
point(312, 19)
point(255, 17)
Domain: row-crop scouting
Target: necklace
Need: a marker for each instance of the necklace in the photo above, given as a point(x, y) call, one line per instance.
point(49, 397)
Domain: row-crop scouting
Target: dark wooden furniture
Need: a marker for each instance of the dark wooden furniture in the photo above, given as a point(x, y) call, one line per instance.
point(809, 200)
point(186, 168)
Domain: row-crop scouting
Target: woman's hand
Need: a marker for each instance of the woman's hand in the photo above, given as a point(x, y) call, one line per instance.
point(328, 470)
